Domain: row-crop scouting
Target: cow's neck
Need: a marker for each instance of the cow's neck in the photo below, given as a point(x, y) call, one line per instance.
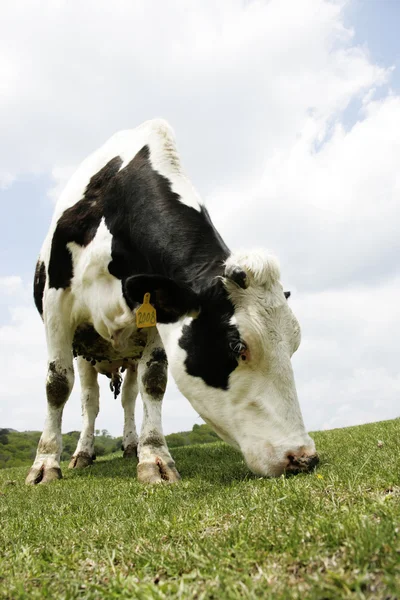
point(203, 275)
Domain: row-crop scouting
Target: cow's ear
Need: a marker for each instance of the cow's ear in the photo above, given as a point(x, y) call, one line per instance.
point(171, 300)
point(237, 275)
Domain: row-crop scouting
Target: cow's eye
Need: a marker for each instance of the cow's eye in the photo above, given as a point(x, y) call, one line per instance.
point(240, 350)
point(245, 354)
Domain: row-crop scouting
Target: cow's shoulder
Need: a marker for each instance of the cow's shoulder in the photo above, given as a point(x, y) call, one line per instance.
point(79, 224)
point(133, 165)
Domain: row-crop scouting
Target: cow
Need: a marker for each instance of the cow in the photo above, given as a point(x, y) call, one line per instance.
point(129, 226)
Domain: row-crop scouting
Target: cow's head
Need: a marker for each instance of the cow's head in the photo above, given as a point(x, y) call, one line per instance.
point(229, 349)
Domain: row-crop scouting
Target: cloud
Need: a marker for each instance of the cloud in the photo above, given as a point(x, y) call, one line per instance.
point(347, 367)
point(11, 287)
point(331, 214)
point(11, 284)
point(60, 176)
point(235, 79)
point(6, 179)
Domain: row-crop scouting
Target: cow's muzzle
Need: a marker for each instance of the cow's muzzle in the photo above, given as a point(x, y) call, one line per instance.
point(301, 464)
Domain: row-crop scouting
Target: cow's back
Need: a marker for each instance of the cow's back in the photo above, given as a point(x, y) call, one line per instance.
point(81, 251)
point(157, 135)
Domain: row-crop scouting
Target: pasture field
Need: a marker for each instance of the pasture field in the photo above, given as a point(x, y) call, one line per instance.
point(220, 533)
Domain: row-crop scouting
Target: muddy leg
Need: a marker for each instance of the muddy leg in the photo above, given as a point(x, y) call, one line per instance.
point(84, 453)
point(155, 462)
point(59, 383)
point(128, 401)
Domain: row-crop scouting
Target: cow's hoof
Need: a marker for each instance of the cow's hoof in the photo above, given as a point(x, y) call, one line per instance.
point(130, 451)
point(43, 475)
point(157, 472)
point(80, 461)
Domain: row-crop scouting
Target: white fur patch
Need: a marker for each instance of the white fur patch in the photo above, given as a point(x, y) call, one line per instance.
point(261, 267)
point(159, 136)
point(164, 157)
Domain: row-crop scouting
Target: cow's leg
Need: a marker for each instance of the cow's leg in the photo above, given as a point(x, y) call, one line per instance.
point(84, 453)
point(59, 383)
point(155, 462)
point(128, 400)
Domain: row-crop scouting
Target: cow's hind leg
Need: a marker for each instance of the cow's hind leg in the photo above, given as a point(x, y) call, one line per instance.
point(155, 462)
point(59, 383)
point(128, 400)
point(84, 453)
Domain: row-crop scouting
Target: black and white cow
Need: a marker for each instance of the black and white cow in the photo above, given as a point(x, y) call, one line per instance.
point(129, 222)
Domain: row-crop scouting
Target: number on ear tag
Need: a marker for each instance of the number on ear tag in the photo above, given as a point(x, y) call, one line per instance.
point(146, 314)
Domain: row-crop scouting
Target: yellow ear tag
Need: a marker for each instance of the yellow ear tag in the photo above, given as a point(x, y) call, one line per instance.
point(146, 314)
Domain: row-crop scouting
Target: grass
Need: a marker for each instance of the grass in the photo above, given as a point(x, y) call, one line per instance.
point(220, 533)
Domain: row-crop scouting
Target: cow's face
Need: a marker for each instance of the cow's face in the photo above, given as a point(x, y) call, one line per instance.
point(232, 362)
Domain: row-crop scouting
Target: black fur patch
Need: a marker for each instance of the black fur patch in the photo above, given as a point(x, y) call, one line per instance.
point(238, 276)
point(154, 439)
point(210, 342)
point(79, 224)
point(158, 355)
point(38, 285)
point(170, 299)
point(57, 386)
point(155, 376)
point(156, 234)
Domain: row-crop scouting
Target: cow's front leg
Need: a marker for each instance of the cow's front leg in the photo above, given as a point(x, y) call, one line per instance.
point(128, 401)
point(155, 462)
point(84, 453)
point(59, 383)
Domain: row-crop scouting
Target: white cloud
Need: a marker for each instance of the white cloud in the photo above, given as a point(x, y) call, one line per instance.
point(235, 79)
point(11, 284)
point(257, 94)
point(331, 214)
point(347, 366)
point(12, 288)
point(60, 176)
point(6, 179)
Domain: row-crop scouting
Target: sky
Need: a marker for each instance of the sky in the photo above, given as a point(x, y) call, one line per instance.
point(287, 119)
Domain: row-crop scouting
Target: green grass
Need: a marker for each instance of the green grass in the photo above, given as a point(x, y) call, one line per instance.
point(220, 533)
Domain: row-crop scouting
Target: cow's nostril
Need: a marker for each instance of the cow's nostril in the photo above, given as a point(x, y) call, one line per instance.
point(293, 465)
point(313, 461)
